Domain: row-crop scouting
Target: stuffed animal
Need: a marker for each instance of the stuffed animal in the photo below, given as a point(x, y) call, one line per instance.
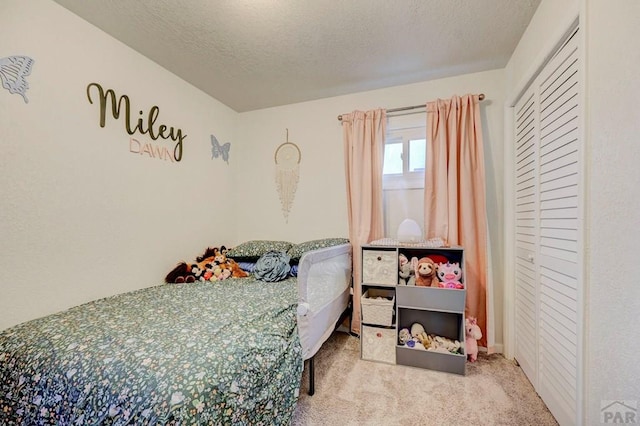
point(450, 275)
point(407, 272)
point(225, 267)
point(419, 336)
point(220, 273)
point(472, 334)
point(213, 265)
point(443, 344)
point(416, 329)
point(426, 273)
point(424, 340)
point(404, 336)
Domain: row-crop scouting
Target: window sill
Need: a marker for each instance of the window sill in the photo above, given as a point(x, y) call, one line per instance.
point(395, 182)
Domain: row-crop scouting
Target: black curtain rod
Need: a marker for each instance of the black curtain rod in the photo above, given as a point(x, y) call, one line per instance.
point(480, 97)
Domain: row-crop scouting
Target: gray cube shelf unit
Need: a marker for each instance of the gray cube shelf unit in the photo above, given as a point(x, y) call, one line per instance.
point(387, 307)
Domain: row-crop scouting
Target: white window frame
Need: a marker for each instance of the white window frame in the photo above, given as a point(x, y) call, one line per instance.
point(406, 179)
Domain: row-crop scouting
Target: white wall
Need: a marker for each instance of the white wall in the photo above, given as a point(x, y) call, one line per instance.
point(82, 217)
point(100, 220)
point(320, 208)
point(613, 113)
point(612, 296)
point(548, 25)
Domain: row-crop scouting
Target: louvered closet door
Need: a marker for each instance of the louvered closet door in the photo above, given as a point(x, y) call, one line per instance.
point(560, 176)
point(548, 233)
point(526, 288)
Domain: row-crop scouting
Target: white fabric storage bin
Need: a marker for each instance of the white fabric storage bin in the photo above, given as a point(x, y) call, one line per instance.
point(379, 344)
point(377, 311)
point(379, 267)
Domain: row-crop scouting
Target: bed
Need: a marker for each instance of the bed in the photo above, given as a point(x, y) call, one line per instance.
point(224, 352)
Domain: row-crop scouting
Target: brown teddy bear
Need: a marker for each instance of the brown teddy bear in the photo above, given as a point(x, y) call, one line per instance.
point(426, 273)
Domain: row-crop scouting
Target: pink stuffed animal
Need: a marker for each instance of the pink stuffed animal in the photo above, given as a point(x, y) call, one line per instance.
point(450, 275)
point(472, 334)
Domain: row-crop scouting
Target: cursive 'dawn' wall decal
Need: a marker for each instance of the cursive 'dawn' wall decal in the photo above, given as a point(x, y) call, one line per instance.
point(145, 125)
point(13, 70)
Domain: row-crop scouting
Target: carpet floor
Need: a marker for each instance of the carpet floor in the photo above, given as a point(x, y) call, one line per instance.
point(350, 391)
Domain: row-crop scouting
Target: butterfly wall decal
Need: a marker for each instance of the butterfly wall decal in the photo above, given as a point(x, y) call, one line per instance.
point(218, 150)
point(13, 70)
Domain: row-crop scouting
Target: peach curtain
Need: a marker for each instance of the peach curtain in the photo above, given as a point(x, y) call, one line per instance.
point(454, 192)
point(363, 134)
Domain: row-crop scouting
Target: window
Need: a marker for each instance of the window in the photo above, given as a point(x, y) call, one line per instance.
point(404, 157)
point(403, 171)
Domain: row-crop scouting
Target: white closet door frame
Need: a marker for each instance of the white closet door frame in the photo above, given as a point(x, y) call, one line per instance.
point(512, 252)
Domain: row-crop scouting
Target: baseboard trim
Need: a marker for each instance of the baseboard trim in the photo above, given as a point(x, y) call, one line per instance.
point(498, 348)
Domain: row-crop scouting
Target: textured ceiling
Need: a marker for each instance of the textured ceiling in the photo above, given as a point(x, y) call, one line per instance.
point(253, 54)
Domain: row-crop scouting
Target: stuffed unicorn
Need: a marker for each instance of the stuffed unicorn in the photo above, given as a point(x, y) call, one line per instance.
point(450, 275)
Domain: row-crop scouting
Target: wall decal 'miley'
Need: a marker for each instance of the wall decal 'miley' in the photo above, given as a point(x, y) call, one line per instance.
point(144, 125)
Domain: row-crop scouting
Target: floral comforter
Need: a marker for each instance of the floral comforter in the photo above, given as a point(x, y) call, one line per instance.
point(201, 353)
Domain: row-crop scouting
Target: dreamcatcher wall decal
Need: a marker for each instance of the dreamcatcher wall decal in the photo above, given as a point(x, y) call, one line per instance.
point(287, 158)
point(13, 70)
